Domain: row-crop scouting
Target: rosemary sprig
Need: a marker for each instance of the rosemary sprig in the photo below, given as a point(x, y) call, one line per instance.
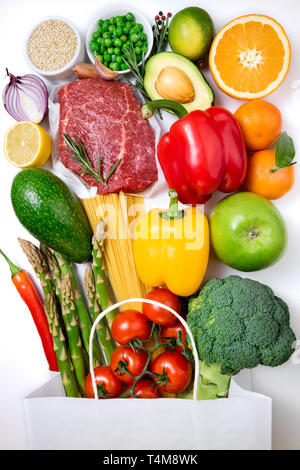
point(130, 60)
point(138, 71)
point(79, 154)
point(160, 36)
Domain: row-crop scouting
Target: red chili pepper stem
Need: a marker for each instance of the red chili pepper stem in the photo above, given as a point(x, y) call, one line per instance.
point(13, 268)
point(148, 109)
point(173, 212)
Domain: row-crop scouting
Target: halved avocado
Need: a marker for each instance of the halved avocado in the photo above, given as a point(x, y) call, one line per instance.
point(172, 76)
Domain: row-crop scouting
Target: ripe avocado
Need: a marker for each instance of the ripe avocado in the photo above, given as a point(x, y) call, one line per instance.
point(49, 211)
point(203, 94)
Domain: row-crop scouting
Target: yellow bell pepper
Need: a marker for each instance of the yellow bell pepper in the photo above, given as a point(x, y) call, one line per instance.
point(171, 248)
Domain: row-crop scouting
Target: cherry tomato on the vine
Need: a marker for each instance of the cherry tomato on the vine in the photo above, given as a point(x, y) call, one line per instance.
point(128, 325)
point(175, 371)
point(158, 314)
point(134, 361)
point(108, 385)
point(145, 388)
point(172, 332)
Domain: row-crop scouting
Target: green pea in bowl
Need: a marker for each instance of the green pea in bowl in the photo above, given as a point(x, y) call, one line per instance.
point(114, 30)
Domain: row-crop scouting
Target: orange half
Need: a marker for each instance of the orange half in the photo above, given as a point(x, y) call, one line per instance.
point(250, 57)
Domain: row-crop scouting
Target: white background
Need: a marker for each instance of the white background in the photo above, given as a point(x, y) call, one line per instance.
point(22, 364)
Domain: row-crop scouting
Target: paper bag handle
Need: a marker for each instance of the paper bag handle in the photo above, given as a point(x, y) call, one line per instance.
point(157, 304)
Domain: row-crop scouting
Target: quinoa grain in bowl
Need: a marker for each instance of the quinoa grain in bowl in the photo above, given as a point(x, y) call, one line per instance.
point(53, 47)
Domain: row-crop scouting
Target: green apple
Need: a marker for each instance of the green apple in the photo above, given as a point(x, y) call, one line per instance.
point(247, 232)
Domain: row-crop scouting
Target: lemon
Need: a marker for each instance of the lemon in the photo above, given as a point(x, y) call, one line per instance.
point(191, 33)
point(27, 144)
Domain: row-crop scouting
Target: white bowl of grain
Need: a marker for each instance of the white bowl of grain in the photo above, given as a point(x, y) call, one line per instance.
point(53, 47)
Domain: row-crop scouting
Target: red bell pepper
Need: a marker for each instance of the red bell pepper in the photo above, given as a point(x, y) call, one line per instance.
point(202, 152)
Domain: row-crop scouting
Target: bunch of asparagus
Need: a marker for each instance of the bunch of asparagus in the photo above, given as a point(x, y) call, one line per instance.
point(70, 319)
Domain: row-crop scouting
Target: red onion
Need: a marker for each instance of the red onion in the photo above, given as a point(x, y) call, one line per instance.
point(25, 98)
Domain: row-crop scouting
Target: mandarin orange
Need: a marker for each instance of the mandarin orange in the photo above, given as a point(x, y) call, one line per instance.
point(262, 177)
point(260, 123)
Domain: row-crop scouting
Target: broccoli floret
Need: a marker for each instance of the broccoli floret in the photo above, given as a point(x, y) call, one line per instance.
point(238, 324)
point(279, 352)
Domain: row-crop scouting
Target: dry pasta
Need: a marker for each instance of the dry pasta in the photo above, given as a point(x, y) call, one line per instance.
point(120, 212)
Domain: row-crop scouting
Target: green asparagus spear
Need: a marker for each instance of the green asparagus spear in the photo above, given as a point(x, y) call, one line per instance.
point(65, 364)
point(82, 312)
point(102, 329)
point(39, 263)
point(100, 272)
point(77, 352)
point(85, 324)
point(54, 269)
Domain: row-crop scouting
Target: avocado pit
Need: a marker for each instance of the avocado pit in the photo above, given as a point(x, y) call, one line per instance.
point(173, 84)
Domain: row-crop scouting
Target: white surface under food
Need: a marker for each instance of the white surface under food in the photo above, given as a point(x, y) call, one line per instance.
point(23, 367)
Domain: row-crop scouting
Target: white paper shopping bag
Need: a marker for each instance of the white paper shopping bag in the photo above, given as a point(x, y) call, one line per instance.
point(240, 422)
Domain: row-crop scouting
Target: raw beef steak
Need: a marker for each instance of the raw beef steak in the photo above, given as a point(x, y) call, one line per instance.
point(106, 117)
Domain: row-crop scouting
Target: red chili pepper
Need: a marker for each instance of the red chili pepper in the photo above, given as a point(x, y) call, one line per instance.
point(202, 152)
point(29, 294)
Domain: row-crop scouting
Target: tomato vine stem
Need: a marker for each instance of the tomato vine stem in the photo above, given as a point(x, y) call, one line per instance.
point(155, 332)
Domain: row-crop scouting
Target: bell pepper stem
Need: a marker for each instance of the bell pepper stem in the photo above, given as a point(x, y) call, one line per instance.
point(173, 212)
point(148, 109)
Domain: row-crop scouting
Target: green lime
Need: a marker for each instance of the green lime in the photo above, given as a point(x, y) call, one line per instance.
point(191, 33)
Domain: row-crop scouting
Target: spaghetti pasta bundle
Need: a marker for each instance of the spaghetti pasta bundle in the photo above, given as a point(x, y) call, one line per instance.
point(120, 212)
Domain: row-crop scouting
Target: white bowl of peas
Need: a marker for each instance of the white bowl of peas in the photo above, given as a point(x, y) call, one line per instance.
point(115, 30)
